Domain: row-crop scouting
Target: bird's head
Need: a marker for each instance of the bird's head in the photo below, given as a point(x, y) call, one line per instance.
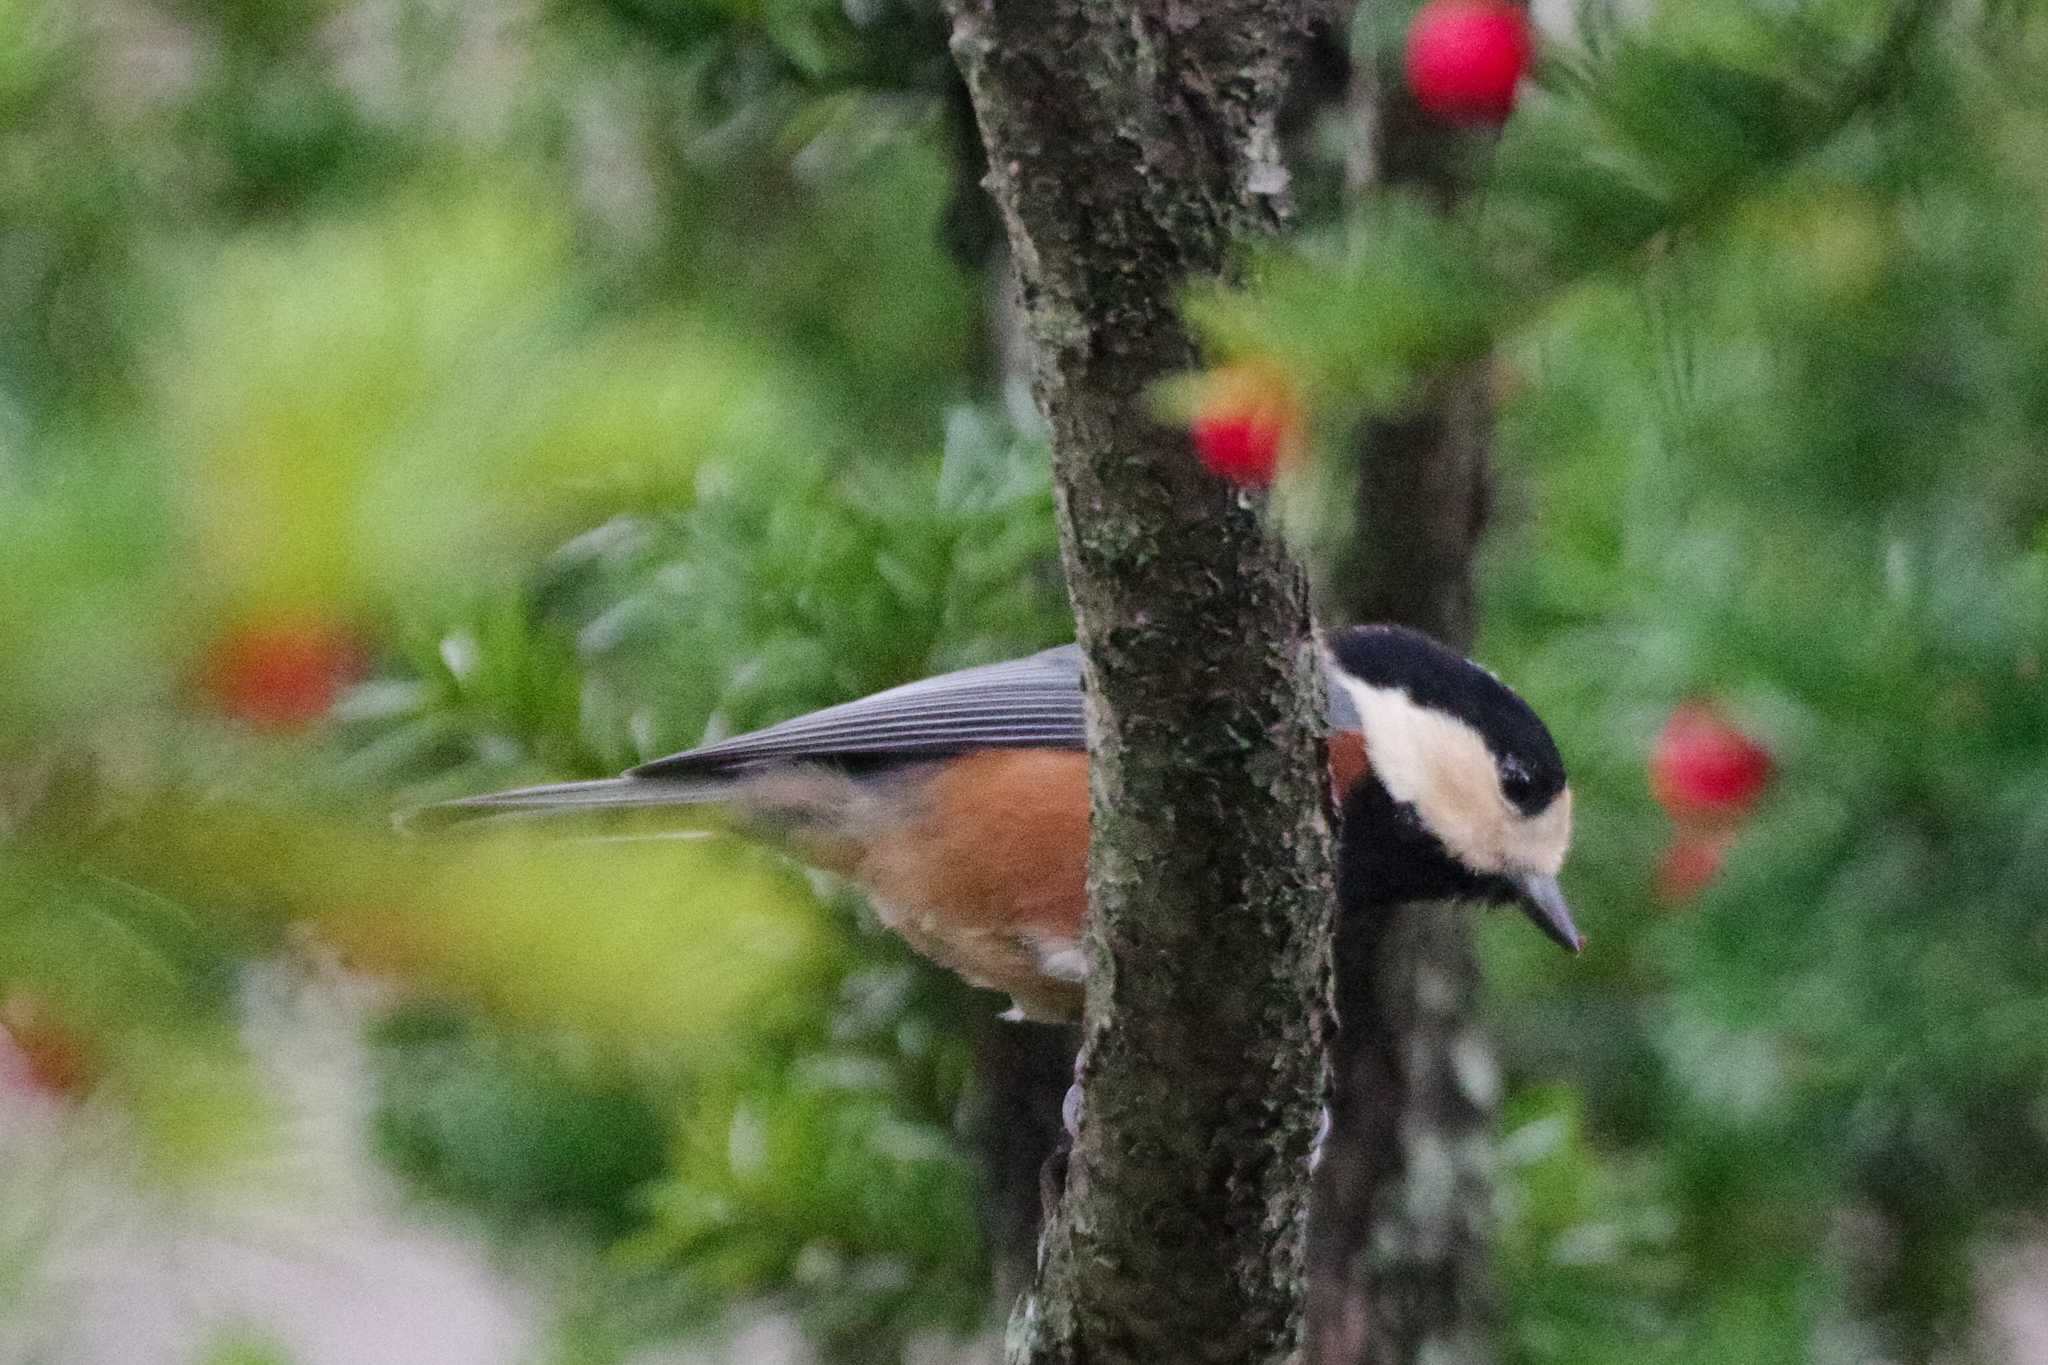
point(1464, 795)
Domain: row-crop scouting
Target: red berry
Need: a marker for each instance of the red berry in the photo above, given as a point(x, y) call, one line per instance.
point(1703, 768)
point(1245, 423)
point(1243, 447)
point(38, 1053)
point(1691, 864)
point(1465, 58)
point(282, 675)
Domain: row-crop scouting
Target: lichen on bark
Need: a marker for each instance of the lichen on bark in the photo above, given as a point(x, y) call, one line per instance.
point(1130, 144)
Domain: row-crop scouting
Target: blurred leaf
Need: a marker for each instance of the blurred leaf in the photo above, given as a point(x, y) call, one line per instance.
point(692, 943)
point(510, 1125)
point(799, 1183)
point(379, 408)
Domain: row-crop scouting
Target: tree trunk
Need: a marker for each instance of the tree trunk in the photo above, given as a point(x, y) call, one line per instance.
point(1399, 1250)
point(1022, 1071)
point(1399, 1263)
point(1130, 143)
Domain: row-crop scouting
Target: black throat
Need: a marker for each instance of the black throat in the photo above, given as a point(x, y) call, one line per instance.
point(1386, 856)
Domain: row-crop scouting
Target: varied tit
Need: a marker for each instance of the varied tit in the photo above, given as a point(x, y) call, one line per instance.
point(961, 804)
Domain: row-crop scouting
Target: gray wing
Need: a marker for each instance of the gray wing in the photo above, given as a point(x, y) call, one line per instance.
point(1028, 703)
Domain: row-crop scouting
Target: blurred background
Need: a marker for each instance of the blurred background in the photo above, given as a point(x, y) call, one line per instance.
point(408, 397)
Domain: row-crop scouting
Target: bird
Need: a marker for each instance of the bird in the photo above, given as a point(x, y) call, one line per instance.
point(960, 803)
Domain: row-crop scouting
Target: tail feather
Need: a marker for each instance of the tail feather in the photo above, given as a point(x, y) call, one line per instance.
point(566, 798)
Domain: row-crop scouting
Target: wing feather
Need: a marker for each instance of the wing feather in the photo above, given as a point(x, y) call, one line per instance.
point(1028, 703)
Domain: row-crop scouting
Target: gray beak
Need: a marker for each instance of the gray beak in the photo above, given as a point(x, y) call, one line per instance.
point(1542, 900)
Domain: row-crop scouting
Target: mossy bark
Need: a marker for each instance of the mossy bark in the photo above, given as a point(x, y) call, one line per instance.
point(1130, 144)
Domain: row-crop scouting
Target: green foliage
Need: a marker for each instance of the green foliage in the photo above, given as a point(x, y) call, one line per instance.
point(1765, 283)
point(1596, 1227)
point(819, 1164)
point(246, 1348)
point(582, 491)
point(783, 587)
point(379, 406)
point(1362, 317)
point(643, 403)
point(104, 983)
point(66, 210)
point(1768, 287)
point(893, 42)
point(511, 1125)
point(822, 233)
point(288, 130)
point(798, 1177)
point(91, 622)
point(1657, 132)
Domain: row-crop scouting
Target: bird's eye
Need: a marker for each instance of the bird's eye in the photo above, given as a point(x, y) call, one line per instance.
point(1517, 783)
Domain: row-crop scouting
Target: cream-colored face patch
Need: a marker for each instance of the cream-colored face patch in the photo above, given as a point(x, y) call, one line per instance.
point(1441, 766)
